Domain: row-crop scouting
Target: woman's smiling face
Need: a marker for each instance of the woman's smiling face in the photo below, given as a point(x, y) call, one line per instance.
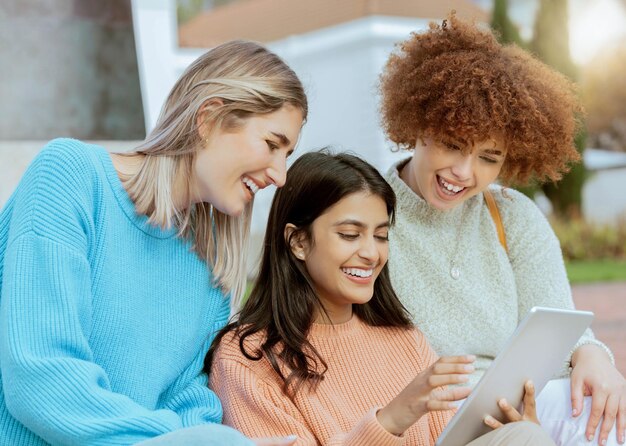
point(348, 250)
point(235, 164)
point(445, 177)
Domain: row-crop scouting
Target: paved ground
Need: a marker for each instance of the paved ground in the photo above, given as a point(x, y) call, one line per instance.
point(608, 302)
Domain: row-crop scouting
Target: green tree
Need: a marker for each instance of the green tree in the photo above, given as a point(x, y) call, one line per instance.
point(550, 43)
point(506, 30)
point(603, 87)
point(508, 33)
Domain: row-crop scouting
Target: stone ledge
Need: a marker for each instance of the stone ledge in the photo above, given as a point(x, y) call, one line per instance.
point(15, 156)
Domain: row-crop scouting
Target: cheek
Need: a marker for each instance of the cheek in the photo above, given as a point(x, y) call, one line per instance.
point(421, 161)
point(258, 160)
point(494, 173)
point(486, 173)
point(384, 255)
point(317, 265)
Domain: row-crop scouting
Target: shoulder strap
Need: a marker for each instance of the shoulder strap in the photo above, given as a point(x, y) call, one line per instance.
point(495, 215)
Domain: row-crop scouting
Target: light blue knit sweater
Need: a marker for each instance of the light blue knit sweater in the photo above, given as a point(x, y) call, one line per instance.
point(104, 319)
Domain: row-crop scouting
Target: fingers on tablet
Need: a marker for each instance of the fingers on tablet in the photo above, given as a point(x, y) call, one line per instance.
point(509, 411)
point(458, 359)
point(446, 366)
point(492, 422)
point(530, 409)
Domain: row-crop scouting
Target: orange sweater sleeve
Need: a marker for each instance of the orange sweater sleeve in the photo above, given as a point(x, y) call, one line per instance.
point(437, 420)
point(260, 409)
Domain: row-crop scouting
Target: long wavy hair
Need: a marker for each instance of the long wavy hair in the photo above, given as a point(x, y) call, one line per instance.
point(247, 79)
point(283, 302)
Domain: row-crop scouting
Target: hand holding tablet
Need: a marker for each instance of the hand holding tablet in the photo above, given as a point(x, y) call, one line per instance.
point(535, 352)
point(422, 395)
point(529, 409)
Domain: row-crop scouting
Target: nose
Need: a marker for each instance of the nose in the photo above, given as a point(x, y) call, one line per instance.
point(277, 172)
point(369, 250)
point(462, 168)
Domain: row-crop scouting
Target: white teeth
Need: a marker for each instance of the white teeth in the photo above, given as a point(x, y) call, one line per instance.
point(251, 185)
point(358, 272)
point(450, 187)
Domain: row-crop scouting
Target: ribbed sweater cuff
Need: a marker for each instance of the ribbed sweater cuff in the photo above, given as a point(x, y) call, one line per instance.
point(592, 341)
point(370, 431)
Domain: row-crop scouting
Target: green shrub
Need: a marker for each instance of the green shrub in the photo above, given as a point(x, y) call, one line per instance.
point(588, 271)
point(586, 241)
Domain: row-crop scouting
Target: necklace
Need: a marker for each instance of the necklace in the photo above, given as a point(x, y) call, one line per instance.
point(455, 269)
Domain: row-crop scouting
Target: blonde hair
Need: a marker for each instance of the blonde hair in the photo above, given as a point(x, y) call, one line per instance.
point(247, 79)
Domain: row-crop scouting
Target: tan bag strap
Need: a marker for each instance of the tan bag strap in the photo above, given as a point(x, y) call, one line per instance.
point(495, 215)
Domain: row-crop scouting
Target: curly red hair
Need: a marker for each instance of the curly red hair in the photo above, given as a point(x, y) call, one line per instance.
point(456, 83)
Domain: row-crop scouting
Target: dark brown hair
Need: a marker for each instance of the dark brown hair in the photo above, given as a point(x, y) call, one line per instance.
point(456, 83)
point(283, 302)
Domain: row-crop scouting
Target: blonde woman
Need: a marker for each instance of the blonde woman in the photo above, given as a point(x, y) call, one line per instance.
point(116, 270)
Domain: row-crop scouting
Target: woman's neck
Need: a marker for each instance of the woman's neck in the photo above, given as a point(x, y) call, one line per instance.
point(406, 174)
point(127, 165)
point(334, 315)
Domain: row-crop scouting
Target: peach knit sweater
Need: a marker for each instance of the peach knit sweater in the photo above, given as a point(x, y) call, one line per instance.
point(367, 368)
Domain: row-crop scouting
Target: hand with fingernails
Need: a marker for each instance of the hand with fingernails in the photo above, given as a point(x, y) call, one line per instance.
point(594, 375)
point(428, 393)
point(511, 414)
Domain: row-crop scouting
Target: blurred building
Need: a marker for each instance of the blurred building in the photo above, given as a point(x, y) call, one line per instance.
point(274, 20)
point(67, 68)
point(603, 199)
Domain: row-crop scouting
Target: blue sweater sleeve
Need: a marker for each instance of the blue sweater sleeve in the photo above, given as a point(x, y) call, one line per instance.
point(190, 395)
point(51, 383)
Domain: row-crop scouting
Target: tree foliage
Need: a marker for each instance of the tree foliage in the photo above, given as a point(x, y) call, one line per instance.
point(550, 40)
point(603, 85)
point(550, 43)
point(505, 29)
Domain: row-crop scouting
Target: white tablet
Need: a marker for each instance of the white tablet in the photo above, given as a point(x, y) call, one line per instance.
point(535, 351)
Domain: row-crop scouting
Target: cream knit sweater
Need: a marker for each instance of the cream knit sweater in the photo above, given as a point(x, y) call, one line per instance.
point(367, 367)
point(476, 313)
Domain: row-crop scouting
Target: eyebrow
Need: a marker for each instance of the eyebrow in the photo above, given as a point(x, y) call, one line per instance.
point(359, 224)
point(283, 139)
point(493, 151)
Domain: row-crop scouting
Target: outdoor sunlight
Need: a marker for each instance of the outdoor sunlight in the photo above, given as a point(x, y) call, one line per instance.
point(593, 24)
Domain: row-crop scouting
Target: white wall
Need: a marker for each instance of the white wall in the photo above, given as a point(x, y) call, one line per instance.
point(604, 200)
point(340, 66)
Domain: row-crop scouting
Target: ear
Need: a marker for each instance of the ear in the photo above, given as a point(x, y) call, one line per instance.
point(296, 240)
point(203, 114)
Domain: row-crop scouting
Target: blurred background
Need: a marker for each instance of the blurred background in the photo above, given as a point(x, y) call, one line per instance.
point(99, 70)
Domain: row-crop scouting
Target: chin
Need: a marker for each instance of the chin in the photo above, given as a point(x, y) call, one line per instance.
point(442, 205)
point(230, 209)
point(362, 300)
point(235, 212)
